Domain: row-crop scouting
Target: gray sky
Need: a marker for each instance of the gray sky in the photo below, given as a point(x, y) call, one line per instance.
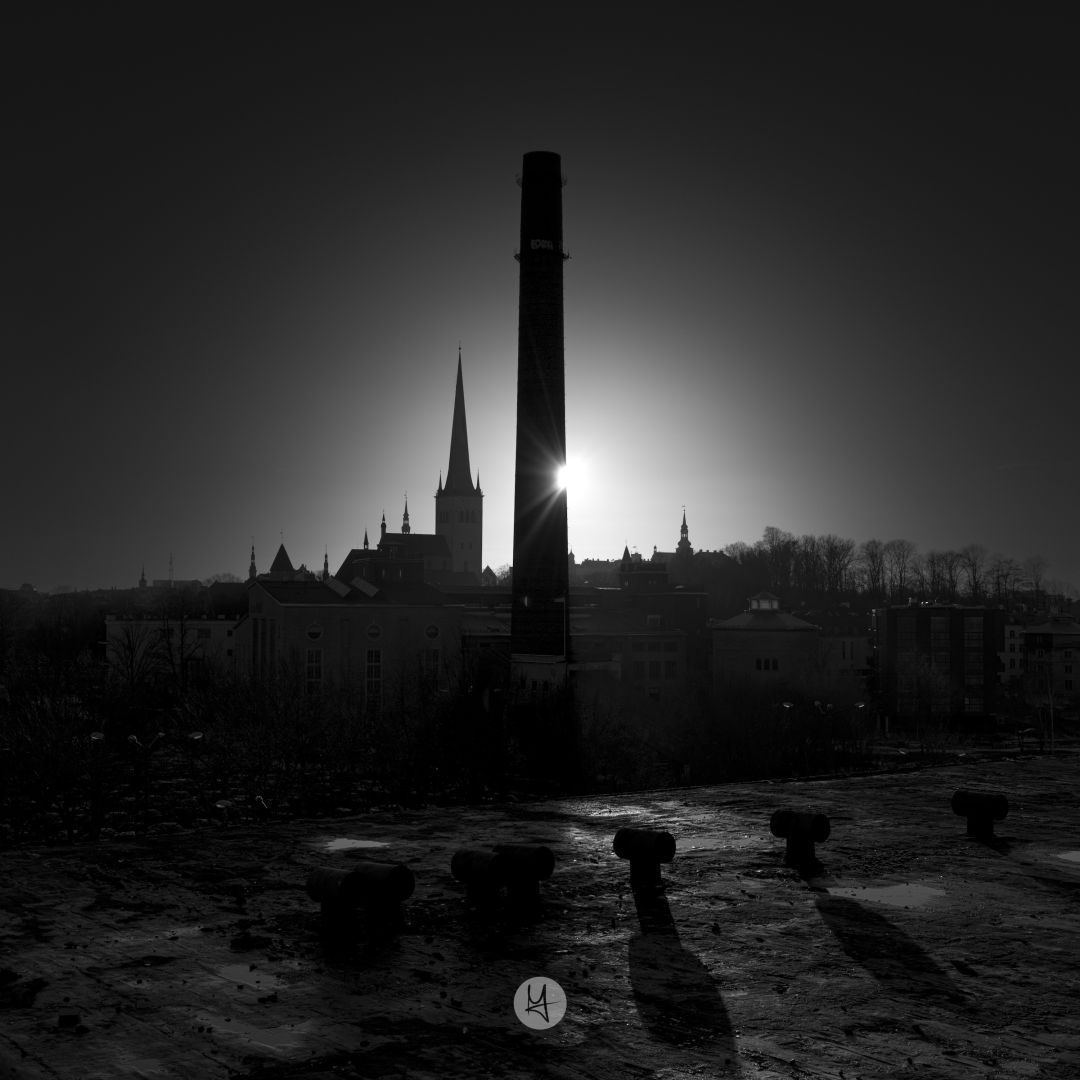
point(823, 276)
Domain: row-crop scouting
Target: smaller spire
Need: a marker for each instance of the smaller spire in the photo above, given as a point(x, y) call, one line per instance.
point(326, 564)
point(251, 565)
point(405, 527)
point(382, 526)
point(365, 540)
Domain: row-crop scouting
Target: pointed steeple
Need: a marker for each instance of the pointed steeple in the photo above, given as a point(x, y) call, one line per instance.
point(458, 473)
point(405, 527)
point(142, 577)
point(365, 540)
point(282, 563)
point(326, 564)
point(382, 528)
point(251, 565)
point(683, 547)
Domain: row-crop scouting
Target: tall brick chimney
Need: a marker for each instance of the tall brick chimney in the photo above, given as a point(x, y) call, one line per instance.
point(539, 628)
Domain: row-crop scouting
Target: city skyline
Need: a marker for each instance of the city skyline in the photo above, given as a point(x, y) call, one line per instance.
point(821, 277)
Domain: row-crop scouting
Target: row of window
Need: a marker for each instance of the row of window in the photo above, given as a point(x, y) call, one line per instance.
point(429, 671)
point(656, 670)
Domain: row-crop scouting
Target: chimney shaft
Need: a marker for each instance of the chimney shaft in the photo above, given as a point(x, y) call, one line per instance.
point(540, 593)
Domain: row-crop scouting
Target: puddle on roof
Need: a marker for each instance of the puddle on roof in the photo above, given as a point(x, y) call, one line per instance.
point(249, 975)
point(278, 1038)
point(349, 843)
point(901, 896)
point(718, 843)
point(612, 811)
point(1070, 856)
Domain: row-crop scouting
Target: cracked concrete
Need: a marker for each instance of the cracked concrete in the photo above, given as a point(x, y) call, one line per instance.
point(912, 950)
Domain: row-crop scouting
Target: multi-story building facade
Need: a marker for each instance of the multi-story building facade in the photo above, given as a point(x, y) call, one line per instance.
point(1051, 662)
point(939, 661)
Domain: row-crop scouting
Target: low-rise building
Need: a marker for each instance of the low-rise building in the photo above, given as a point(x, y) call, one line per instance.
point(764, 646)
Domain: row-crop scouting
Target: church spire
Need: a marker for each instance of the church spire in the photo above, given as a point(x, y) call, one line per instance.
point(458, 474)
point(683, 547)
point(405, 527)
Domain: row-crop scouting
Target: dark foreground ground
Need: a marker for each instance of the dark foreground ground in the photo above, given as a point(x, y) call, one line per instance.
point(916, 951)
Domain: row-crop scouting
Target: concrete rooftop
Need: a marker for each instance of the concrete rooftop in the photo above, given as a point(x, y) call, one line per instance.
point(915, 951)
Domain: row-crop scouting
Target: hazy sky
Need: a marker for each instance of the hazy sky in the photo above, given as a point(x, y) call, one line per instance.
point(823, 276)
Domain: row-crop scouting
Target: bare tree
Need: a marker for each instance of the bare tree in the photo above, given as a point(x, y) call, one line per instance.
point(950, 571)
point(132, 653)
point(973, 561)
point(839, 556)
point(1004, 573)
point(809, 566)
point(921, 575)
point(1035, 568)
point(933, 575)
point(872, 564)
point(899, 556)
point(778, 547)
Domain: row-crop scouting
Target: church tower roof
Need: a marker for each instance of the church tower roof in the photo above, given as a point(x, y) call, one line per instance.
point(281, 562)
point(459, 473)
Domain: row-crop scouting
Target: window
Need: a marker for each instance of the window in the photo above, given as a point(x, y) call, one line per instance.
point(373, 679)
point(314, 669)
point(654, 669)
point(670, 669)
point(203, 633)
point(429, 666)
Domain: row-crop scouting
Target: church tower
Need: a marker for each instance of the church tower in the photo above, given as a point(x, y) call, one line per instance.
point(459, 503)
point(684, 549)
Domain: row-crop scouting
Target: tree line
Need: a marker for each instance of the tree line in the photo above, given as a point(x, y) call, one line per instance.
point(886, 571)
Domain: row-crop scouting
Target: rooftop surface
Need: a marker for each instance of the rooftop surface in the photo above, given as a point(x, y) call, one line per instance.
point(914, 951)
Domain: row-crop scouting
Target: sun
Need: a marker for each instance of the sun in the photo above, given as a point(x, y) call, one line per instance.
point(573, 477)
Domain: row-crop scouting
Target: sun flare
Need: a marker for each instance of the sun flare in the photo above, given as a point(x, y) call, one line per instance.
point(573, 477)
